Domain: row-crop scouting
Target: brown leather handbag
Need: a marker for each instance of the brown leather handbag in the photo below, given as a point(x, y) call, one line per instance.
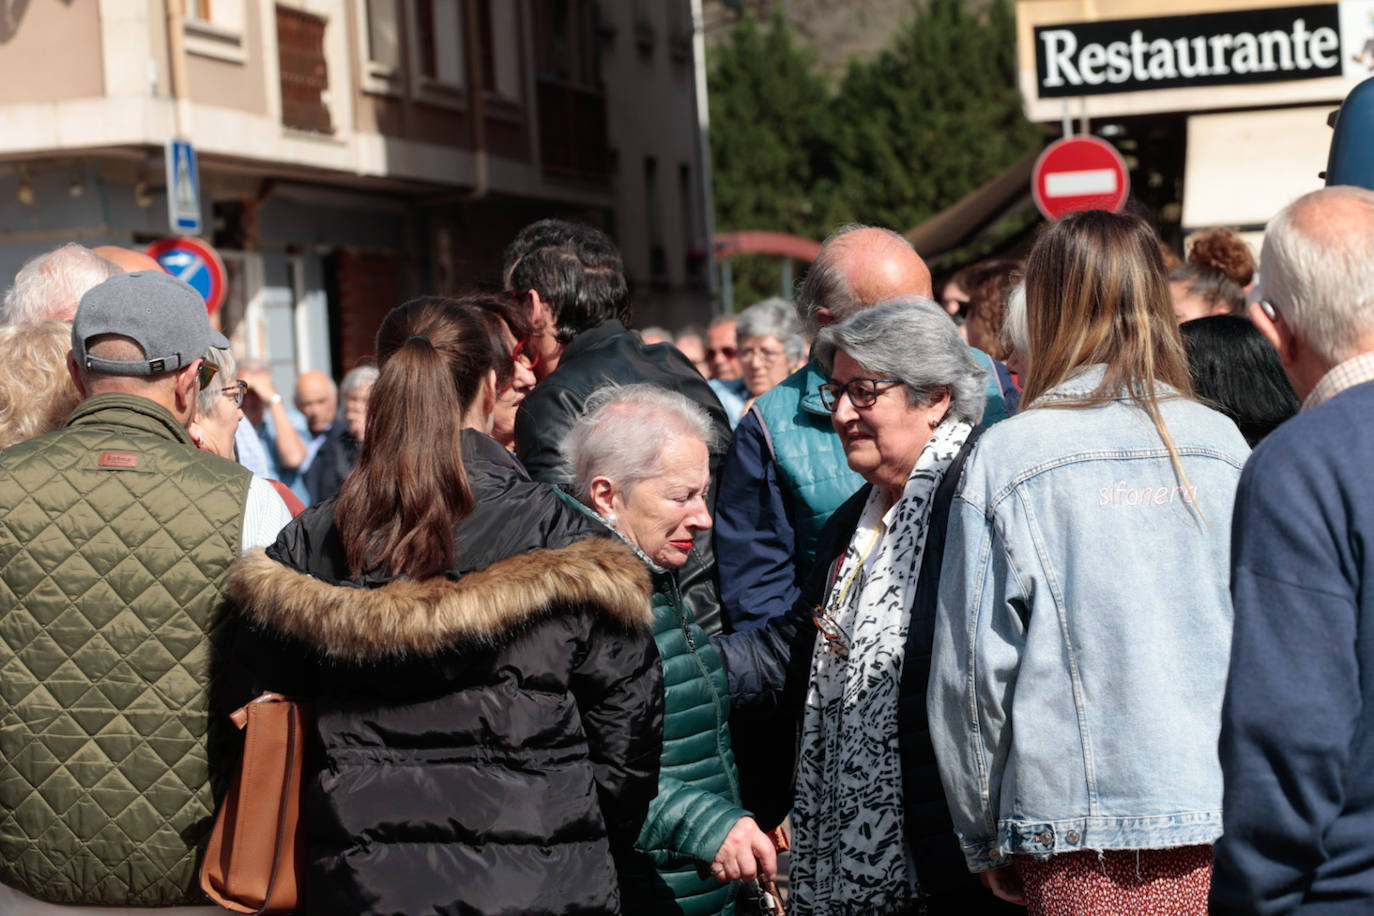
point(255, 859)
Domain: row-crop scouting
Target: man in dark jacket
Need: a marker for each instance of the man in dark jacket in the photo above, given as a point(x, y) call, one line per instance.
point(574, 281)
point(1297, 730)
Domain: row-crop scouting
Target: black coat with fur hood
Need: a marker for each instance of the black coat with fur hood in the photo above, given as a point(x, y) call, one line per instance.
point(485, 738)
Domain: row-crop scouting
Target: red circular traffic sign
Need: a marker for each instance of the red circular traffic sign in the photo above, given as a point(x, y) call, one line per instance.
point(191, 260)
point(1079, 173)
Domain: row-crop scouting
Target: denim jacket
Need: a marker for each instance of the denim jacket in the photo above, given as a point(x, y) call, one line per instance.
point(1084, 629)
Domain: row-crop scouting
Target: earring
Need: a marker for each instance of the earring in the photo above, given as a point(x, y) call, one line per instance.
point(611, 519)
point(934, 421)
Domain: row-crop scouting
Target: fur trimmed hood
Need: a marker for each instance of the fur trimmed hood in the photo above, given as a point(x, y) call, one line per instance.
point(407, 616)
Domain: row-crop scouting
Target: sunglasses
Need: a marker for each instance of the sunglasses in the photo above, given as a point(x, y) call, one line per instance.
point(206, 374)
point(727, 352)
point(862, 392)
point(236, 391)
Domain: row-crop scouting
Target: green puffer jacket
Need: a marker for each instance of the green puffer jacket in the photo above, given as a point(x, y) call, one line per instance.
point(698, 787)
point(115, 538)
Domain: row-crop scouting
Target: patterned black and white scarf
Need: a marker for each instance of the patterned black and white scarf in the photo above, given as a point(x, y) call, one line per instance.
point(849, 854)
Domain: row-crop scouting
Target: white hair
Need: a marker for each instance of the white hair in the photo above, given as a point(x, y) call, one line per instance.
point(50, 285)
point(774, 317)
point(1015, 329)
point(226, 377)
point(623, 430)
point(1318, 263)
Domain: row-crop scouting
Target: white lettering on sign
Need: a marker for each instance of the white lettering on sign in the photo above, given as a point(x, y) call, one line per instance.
point(1087, 181)
point(1069, 61)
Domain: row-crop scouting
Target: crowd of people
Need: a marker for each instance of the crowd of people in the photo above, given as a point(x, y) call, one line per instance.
point(984, 597)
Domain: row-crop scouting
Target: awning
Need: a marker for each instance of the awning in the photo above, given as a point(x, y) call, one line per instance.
point(959, 222)
point(1243, 167)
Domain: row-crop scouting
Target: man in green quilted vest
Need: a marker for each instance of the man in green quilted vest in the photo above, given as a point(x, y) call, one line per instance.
point(115, 535)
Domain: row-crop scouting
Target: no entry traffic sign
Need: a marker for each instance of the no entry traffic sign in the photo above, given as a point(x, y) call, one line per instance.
point(196, 263)
point(1079, 173)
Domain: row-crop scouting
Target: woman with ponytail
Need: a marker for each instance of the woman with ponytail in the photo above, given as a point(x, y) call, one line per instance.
point(486, 688)
point(1084, 623)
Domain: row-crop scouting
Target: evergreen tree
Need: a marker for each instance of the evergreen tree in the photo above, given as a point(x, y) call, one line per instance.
point(930, 119)
point(772, 157)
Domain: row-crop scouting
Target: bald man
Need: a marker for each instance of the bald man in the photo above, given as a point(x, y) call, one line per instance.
point(786, 470)
point(127, 259)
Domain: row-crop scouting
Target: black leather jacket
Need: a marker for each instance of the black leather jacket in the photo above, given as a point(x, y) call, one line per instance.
point(610, 354)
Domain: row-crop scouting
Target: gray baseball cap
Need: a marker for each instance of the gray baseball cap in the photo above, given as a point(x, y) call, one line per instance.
point(164, 315)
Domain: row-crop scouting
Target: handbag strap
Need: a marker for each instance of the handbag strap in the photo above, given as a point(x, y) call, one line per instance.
point(292, 746)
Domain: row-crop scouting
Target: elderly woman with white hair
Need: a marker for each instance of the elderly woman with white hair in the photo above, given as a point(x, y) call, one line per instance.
point(849, 662)
point(639, 464)
point(219, 410)
point(771, 344)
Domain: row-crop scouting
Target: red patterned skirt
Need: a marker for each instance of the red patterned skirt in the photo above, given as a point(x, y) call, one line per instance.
point(1144, 882)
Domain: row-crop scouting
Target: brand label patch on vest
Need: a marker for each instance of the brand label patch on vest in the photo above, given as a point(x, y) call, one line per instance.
point(118, 460)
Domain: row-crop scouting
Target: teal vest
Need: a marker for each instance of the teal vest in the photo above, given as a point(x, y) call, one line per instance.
point(812, 469)
point(115, 537)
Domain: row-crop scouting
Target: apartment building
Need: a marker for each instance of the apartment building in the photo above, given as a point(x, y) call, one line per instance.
point(353, 153)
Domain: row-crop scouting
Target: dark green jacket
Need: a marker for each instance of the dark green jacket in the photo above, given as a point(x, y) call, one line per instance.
point(115, 536)
point(698, 786)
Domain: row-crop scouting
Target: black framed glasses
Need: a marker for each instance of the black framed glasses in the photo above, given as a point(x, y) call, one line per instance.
point(206, 374)
point(236, 392)
point(863, 392)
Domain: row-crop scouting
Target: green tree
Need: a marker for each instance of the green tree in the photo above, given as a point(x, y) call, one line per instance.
point(772, 156)
point(932, 117)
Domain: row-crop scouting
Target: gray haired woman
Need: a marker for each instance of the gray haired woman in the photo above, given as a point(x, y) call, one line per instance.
point(872, 831)
point(771, 343)
point(639, 465)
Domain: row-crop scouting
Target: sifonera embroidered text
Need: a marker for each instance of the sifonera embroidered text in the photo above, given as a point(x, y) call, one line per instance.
point(1123, 494)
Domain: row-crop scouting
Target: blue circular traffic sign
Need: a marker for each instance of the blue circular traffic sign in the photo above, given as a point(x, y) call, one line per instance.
point(194, 262)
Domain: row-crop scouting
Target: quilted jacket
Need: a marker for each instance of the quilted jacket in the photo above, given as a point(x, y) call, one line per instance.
point(485, 738)
point(115, 537)
point(698, 787)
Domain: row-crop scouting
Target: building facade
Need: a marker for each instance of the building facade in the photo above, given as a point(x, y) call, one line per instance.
point(354, 153)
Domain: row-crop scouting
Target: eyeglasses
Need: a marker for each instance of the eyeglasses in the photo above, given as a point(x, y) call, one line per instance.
point(836, 639)
point(727, 352)
point(524, 354)
point(863, 392)
point(236, 391)
point(205, 374)
point(762, 354)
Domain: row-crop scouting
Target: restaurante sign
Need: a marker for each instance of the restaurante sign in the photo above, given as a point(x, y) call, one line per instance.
point(1207, 49)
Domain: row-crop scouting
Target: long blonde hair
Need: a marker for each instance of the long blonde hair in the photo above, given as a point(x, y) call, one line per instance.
point(1097, 292)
